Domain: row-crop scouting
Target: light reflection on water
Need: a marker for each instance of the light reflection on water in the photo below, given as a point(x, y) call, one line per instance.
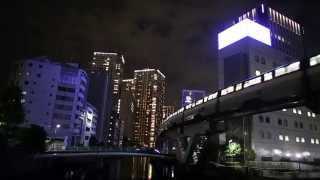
point(102, 169)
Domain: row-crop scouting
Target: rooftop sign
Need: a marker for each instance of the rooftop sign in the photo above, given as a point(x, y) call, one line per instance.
point(245, 28)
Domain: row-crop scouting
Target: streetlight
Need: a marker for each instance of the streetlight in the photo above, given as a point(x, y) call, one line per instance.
point(55, 129)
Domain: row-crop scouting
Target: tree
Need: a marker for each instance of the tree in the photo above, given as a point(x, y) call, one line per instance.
point(250, 154)
point(11, 110)
point(233, 149)
point(32, 139)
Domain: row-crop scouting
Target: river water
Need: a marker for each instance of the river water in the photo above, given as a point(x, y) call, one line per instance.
point(104, 168)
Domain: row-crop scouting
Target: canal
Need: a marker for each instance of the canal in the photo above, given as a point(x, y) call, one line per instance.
point(136, 167)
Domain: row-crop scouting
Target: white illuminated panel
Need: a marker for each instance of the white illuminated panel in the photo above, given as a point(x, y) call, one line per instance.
point(315, 60)
point(245, 28)
point(252, 82)
point(268, 76)
point(238, 86)
point(199, 102)
point(213, 96)
point(227, 90)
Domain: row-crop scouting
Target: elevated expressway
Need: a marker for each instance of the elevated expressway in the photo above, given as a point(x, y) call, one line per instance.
point(293, 85)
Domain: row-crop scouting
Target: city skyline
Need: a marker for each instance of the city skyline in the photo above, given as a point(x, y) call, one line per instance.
point(161, 89)
point(81, 33)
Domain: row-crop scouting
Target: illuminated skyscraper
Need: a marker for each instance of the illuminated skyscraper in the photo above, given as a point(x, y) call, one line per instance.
point(286, 34)
point(149, 94)
point(106, 71)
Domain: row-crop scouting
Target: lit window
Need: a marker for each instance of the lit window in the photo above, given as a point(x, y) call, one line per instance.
point(317, 141)
point(281, 137)
point(313, 115)
point(312, 141)
point(286, 138)
point(258, 73)
point(284, 109)
point(299, 111)
point(309, 114)
point(303, 140)
point(294, 110)
point(297, 139)
point(277, 151)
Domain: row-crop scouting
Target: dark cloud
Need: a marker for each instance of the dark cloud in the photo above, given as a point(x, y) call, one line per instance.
point(176, 36)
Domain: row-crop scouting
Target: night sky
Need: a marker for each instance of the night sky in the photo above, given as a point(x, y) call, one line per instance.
point(179, 37)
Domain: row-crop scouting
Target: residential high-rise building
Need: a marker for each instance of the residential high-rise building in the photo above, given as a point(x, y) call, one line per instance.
point(166, 111)
point(149, 95)
point(252, 47)
point(127, 112)
point(89, 125)
point(54, 97)
point(106, 71)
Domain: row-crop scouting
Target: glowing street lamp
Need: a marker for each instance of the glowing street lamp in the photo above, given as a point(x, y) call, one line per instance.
point(55, 129)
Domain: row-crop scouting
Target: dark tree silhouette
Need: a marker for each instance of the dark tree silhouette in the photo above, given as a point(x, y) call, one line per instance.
point(93, 141)
point(32, 139)
point(11, 110)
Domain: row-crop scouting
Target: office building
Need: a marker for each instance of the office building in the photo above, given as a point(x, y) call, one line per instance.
point(106, 71)
point(54, 97)
point(149, 95)
point(286, 34)
point(249, 48)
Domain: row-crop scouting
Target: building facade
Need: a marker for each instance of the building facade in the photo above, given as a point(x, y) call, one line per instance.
point(288, 134)
point(127, 112)
point(106, 71)
point(89, 125)
point(149, 95)
point(166, 111)
point(54, 97)
point(286, 34)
